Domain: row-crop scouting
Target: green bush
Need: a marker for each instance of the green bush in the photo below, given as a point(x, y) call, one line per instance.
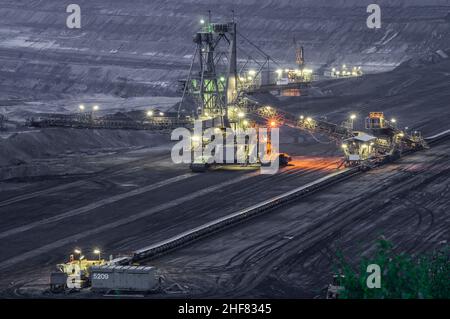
point(402, 276)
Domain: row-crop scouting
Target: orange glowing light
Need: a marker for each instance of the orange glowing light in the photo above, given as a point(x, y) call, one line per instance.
point(273, 124)
point(313, 163)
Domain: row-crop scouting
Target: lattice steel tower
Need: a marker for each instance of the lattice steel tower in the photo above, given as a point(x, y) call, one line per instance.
point(213, 76)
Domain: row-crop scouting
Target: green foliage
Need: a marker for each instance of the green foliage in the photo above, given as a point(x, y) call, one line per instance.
point(402, 276)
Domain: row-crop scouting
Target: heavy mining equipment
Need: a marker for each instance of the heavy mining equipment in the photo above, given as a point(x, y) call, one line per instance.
point(75, 273)
point(381, 142)
point(391, 141)
point(300, 75)
point(214, 84)
point(346, 72)
point(3, 120)
point(242, 145)
point(99, 275)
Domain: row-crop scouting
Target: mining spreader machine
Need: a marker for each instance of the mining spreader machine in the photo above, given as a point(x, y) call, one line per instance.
point(381, 142)
point(214, 85)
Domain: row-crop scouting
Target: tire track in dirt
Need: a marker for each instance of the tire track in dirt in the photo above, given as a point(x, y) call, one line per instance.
point(248, 280)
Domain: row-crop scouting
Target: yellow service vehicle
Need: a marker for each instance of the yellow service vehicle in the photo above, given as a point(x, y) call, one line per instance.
point(74, 274)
